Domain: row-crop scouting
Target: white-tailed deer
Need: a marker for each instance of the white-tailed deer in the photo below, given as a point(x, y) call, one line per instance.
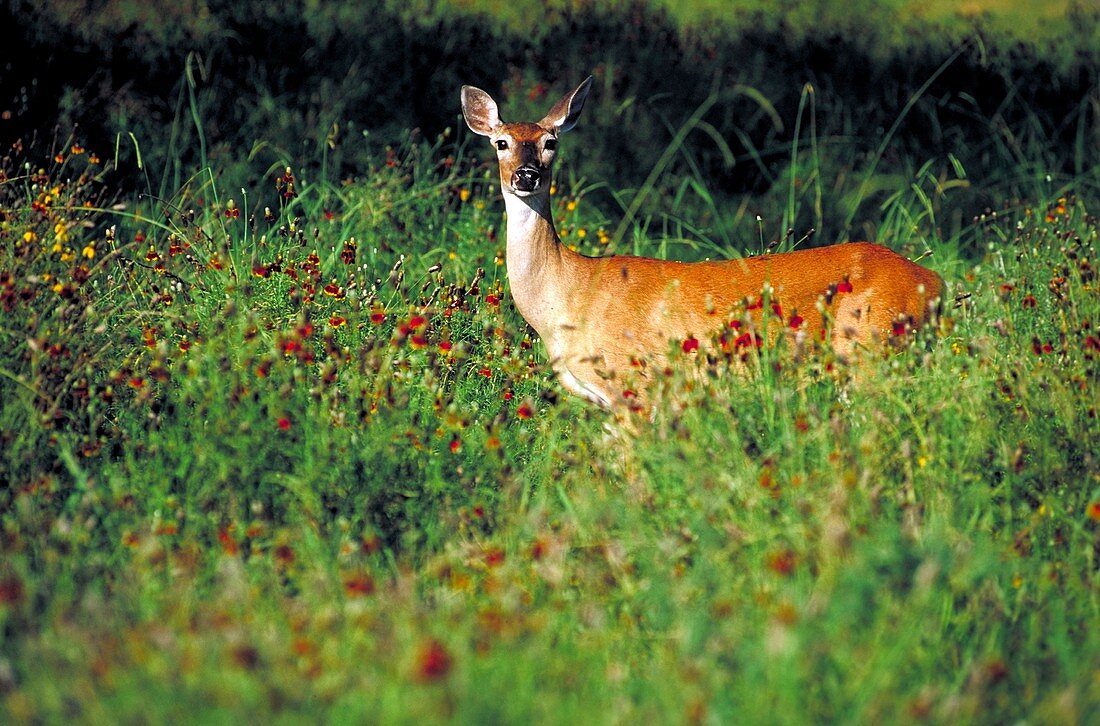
point(604, 319)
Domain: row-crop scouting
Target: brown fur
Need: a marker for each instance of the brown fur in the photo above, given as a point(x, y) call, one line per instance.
point(601, 317)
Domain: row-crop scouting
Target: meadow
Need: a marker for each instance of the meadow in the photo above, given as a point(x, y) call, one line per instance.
point(285, 450)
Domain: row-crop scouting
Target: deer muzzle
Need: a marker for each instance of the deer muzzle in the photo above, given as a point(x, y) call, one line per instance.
point(526, 178)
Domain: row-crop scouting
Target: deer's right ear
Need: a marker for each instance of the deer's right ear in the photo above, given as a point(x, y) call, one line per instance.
point(480, 111)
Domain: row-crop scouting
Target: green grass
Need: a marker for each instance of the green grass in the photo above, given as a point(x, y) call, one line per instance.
point(254, 468)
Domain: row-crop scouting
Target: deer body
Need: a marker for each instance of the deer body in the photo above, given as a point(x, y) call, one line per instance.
point(606, 319)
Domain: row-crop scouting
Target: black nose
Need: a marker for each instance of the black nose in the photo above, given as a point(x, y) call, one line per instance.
point(526, 179)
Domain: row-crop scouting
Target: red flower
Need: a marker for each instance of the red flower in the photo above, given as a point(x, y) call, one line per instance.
point(284, 554)
point(525, 411)
point(844, 286)
point(690, 345)
point(492, 299)
point(494, 557)
point(283, 423)
point(417, 342)
point(1093, 511)
point(359, 585)
point(796, 321)
point(417, 321)
point(485, 372)
point(445, 346)
point(336, 321)
point(432, 662)
point(377, 316)
point(225, 537)
point(1028, 301)
point(897, 328)
point(782, 562)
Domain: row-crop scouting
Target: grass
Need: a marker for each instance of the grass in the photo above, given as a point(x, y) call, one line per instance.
point(295, 455)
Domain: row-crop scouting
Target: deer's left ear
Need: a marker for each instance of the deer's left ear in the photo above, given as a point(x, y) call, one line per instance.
point(563, 116)
point(480, 111)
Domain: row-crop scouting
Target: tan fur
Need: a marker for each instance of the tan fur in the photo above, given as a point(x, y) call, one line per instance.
point(606, 319)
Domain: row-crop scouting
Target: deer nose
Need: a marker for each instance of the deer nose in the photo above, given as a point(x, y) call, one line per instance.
point(526, 179)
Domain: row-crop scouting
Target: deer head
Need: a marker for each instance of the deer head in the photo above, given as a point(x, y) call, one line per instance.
point(525, 151)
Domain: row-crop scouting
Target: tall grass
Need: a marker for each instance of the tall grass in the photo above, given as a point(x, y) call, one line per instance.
point(291, 452)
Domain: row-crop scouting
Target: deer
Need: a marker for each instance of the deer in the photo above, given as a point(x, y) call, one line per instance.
point(606, 320)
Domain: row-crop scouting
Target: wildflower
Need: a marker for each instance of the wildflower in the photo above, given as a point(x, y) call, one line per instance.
point(445, 346)
point(433, 662)
point(690, 344)
point(418, 342)
point(493, 300)
point(283, 423)
point(464, 194)
point(782, 562)
point(1093, 511)
point(347, 254)
point(359, 585)
point(284, 554)
point(88, 251)
point(29, 236)
point(377, 316)
point(334, 290)
point(844, 286)
point(796, 321)
point(1028, 301)
point(898, 328)
point(336, 321)
point(231, 211)
point(525, 411)
point(455, 445)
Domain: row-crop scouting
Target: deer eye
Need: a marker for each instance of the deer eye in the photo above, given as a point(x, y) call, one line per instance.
point(550, 144)
point(502, 145)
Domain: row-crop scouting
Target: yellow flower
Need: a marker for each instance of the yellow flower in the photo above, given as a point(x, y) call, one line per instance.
point(571, 205)
point(464, 194)
point(582, 232)
point(29, 236)
point(88, 251)
point(61, 232)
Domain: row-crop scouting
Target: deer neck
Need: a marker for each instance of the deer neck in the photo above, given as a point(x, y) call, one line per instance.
point(536, 261)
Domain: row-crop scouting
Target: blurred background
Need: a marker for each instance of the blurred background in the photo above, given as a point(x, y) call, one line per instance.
point(839, 102)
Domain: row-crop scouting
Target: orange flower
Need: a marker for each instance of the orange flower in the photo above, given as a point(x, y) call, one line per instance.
point(1093, 511)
